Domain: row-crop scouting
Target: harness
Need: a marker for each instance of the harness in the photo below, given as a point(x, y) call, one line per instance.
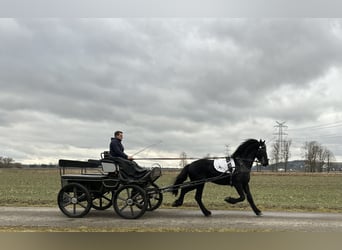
point(225, 166)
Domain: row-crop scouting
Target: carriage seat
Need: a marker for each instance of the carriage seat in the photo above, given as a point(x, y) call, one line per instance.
point(77, 164)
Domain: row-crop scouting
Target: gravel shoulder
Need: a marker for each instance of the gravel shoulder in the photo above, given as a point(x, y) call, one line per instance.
point(168, 220)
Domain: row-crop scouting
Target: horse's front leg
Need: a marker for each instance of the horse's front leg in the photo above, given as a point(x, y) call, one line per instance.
point(240, 191)
point(250, 200)
point(180, 200)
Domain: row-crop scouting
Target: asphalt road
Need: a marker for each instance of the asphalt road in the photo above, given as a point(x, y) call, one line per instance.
point(42, 218)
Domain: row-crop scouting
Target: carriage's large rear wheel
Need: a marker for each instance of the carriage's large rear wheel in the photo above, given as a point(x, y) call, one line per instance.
point(130, 201)
point(74, 200)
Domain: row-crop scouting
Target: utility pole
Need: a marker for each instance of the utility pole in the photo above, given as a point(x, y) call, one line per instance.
point(281, 141)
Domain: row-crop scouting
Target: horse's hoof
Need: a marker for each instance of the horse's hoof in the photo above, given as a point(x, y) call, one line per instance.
point(207, 214)
point(175, 192)
point(229, 200)
point(259, 213)
point(176, 204)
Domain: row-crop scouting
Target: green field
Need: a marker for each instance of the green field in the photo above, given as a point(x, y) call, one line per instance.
point(282, 192)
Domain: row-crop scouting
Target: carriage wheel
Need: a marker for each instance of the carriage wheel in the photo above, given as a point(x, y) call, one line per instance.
point(103, 202)
point(74, 200)
point(129, 202)
point(154, 196)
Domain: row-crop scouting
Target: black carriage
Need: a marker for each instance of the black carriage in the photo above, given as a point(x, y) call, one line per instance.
point(110, 181)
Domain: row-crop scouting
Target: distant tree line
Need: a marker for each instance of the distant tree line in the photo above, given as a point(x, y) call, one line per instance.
point(317, 158)
point(7, 162)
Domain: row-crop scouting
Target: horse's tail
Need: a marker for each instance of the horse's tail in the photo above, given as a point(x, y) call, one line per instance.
point(182, 176)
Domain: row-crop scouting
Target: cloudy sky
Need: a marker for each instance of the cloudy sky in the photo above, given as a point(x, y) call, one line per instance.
point(189, 85)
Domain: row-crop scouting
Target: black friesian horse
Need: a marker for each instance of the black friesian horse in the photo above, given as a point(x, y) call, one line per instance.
point(203, 169)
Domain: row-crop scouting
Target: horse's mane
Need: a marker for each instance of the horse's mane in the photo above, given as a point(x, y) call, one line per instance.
point(242, 148)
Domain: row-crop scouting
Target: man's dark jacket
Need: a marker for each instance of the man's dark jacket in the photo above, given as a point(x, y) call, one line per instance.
point(116, 148)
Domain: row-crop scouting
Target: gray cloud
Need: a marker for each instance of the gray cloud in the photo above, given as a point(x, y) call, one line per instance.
point(196, 84)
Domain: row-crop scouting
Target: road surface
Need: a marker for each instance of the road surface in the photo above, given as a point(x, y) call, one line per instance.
point(42, 219)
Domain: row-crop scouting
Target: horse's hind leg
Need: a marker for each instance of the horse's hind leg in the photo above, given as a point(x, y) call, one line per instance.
point(198, 198)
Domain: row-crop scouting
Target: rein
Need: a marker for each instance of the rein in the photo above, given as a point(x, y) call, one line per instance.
point(178, 158)
point(195, 158)
point(190, 158)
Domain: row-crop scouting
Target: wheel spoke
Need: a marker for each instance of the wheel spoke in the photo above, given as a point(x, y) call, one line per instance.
point(122, 209)
point(82, 196)
point(68, 195)
point(121, 199)
point(65, 204)
point(157, 198)
point(132, 211)
point(135, 196)
point(82, 205)
point(139, 201)
point(128, 192)
point(106, 198)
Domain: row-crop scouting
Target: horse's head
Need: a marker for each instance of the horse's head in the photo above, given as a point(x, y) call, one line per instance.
point(251, 149)
point(262, 153)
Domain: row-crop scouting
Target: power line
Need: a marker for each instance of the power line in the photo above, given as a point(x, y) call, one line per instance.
point(318, 132)
point(322, 126)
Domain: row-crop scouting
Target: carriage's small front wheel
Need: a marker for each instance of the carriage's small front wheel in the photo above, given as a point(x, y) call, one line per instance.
point(154, 197)
point(74, 200)
point(130, 201)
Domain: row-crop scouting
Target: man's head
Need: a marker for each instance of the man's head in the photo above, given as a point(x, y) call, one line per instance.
point(118, 134)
